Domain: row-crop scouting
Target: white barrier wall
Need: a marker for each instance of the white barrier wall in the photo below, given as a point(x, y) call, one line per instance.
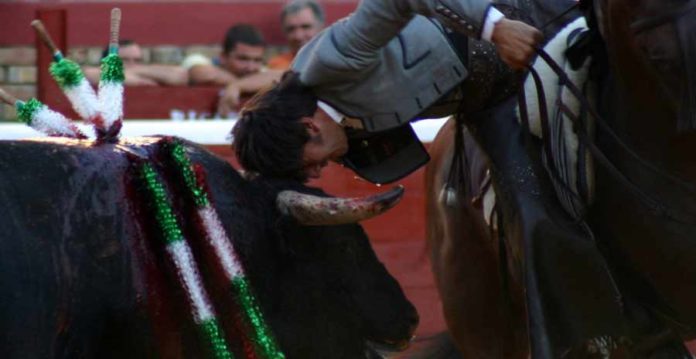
point(213, 132)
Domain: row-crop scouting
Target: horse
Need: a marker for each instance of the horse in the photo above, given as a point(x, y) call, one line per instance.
point(496, 299)
point(84, 274)
point(643, 216)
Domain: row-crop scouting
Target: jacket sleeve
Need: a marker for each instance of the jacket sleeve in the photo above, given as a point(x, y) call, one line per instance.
point(350, 46)
point(375, 22)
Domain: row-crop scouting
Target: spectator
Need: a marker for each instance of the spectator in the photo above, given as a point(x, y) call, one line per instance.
point(301, 21)
point(242, 55)
point(136, 72)
point(239, 68)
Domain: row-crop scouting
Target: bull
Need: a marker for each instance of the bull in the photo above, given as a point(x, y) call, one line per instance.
point(82, 277)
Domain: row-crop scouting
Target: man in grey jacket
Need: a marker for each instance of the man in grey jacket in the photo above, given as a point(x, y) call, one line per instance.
point(366, 77)
point(354, 90)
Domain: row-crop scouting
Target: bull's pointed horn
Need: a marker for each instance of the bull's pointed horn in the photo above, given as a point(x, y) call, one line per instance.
point(320, 211)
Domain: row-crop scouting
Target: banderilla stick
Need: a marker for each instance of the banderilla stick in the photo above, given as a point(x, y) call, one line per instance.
point(115, 28)
point(7, 98)
point(46, 38)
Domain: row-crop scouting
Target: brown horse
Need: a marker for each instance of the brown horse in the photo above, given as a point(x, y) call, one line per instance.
point(647, 225)
point(628, 274)
point(465, 255)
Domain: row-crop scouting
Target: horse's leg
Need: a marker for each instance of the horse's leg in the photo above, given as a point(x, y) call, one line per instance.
point(482, 319)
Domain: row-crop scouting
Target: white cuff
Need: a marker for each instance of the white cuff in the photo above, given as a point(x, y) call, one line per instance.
point(492, 18)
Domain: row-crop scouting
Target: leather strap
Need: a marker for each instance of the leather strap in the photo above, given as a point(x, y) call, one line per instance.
point(657, 206)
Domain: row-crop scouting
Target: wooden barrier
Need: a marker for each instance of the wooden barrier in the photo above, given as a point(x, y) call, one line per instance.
point(178, 24)
point(187, 22)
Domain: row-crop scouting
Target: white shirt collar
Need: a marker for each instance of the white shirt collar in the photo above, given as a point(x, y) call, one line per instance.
point(332, 112)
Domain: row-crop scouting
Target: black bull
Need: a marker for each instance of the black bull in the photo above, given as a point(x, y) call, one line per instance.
point(81, 277)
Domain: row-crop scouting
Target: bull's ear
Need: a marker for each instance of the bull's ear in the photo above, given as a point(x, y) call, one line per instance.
point(321, 211)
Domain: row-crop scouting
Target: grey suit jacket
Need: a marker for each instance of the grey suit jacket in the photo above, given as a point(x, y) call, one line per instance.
point(386, 64)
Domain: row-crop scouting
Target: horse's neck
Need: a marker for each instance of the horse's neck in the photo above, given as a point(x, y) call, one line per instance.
point(642, 102)
point(632, 105)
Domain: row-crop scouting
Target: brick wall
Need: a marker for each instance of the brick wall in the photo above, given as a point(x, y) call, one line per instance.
point(17, 75)
point(176, 24)
point(18, 65)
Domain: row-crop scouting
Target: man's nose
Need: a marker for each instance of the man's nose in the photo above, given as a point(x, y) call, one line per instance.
point(296, 34)
point(303, 33)
point(251, 66)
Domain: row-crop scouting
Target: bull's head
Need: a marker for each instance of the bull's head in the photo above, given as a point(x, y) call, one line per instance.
point(323, 290)
point(337, 273)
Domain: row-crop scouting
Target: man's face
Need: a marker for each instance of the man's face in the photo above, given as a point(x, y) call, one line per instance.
point(328, 142)
point(244, 59)
point(300, 27)
point(131, 54)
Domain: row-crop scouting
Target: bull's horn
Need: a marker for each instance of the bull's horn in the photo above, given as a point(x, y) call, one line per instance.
point(320, 211)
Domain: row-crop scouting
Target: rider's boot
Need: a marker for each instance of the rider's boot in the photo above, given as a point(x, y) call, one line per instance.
point(571, 295)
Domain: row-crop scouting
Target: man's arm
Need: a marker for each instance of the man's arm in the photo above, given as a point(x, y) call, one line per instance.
point(209, 75)
point(376, 22)
point(93, 76)
point(202, 71)
point(169, 75)
point(229, 100)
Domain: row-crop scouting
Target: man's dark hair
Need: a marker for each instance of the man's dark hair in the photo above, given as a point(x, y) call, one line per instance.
point(297, 5)
point(269, 137)
point(242, 33)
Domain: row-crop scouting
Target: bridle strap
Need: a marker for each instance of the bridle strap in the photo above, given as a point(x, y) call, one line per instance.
point(545, 129)
point(668, 15)
point(585, 103)
point(648, 200)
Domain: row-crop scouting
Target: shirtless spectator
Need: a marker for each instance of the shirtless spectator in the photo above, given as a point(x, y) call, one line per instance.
point(301, 21)
point(136, 72)
point(239, 68)
point(242, 54)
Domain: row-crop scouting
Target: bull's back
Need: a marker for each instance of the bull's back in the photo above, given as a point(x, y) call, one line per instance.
point(67, 266)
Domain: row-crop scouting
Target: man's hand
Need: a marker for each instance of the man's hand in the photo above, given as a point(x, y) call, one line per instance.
point(515, 42)
point(229, 100)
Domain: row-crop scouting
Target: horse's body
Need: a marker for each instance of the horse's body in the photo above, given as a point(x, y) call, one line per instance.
point(648, 101)
point(84, 276)
point(482, 319)
point(639, 260)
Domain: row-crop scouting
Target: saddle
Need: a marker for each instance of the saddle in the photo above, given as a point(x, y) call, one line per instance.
point(566, 159)
point(572, 301)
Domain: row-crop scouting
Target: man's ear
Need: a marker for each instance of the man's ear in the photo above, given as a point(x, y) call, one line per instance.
point(310, 125)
